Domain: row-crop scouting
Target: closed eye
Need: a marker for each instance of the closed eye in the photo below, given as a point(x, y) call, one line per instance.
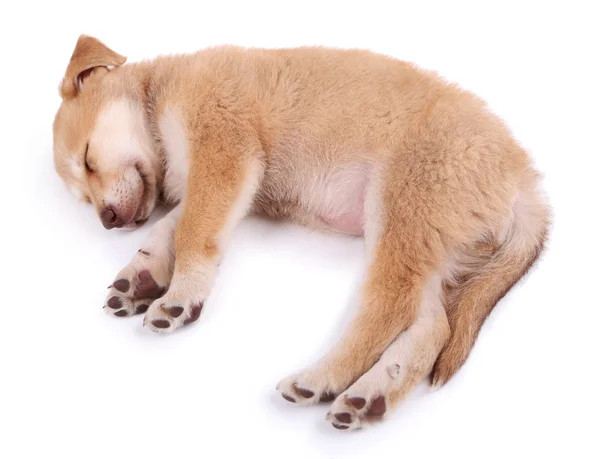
point(85, 158)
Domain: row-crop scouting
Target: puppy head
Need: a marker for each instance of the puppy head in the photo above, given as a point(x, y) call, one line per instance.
point(102, 148)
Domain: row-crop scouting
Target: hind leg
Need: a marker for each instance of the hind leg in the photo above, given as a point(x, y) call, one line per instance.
point(405, 363)
point(404, 251)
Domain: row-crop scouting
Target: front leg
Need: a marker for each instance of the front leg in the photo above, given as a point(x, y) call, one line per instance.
point(148, 274)
point(222, 182)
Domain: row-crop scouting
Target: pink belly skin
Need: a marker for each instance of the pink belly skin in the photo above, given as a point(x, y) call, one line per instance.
point(344, 200)
point(352, 223)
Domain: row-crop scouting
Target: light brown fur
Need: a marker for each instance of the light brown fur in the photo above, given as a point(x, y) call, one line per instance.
point(348, 141)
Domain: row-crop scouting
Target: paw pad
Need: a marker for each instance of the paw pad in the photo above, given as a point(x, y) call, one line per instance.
point(304, 392)
point(352, 412)
point(141, 308)
point(161, 323)
point(377, 408)
point(340, 426)
point(357, 402)
point(345, 418)
point(196, 310)
point(295, 394)
point(167, 315)
point(327, 397)
point(288, 398)
point(114, 302)
point(147, 286)
point(174, 311)
point(122, 285)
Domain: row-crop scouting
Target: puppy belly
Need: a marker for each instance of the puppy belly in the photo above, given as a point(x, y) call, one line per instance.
point(352, 222)
point(325, 199)
point(343, 200)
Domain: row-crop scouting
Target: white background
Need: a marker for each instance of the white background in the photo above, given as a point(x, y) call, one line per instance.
point(78, 384)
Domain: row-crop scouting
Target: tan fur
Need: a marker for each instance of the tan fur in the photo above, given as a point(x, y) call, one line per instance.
point(348, 141)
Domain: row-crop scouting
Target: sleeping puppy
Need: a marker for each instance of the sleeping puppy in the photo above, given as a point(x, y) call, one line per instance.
point(347, 141)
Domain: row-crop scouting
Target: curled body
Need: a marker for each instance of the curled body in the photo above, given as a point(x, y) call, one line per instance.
point(449, 204)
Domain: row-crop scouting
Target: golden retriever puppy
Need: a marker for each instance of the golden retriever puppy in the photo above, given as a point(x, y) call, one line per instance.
point(449, 204)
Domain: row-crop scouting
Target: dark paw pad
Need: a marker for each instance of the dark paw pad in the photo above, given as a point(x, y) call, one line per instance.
point(121, 313)
point(196, 310)
point(340, 426)
point(304, 392)
point(327, 397)
point(114, 302)
point(357, 402)
point(122, 285)
point(377, 408)
point(147, 286)
point(141, 308)
point(288, 398)
point(174, 311)
point(161, 323)
point(345, 418)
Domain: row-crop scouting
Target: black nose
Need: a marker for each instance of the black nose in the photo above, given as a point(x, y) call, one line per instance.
point(109, 218)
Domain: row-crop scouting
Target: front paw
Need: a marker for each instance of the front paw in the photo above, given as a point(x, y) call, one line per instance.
point(169, 313)
point(143, 280)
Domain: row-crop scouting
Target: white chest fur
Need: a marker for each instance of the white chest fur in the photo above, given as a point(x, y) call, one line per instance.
point(175, 140)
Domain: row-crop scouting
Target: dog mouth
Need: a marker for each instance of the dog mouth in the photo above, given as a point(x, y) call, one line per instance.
point(134, 224)
point(141, 215)
point(144, 205)
point(144, 208)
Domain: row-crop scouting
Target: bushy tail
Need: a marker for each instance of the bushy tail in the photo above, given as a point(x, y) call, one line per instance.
point(470, 303)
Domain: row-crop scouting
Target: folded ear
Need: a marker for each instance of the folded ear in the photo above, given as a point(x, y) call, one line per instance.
point(88, 55)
